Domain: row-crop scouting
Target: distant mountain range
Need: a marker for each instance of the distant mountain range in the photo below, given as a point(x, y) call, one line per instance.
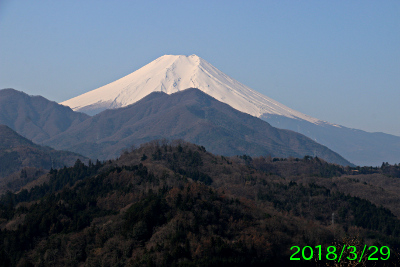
point(46, 122)
point(190, 115)
point(171, 74)
point(360, 147)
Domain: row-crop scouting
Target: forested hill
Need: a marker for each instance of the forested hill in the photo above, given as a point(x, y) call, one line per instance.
point(175, 204)
point(22, 161)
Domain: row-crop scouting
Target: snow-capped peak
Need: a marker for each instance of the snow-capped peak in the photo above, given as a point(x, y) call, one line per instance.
point(174, 73)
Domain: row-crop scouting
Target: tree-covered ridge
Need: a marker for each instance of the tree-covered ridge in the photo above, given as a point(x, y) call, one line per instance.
point(175, 204)
point(22, 161)
point(11, 139)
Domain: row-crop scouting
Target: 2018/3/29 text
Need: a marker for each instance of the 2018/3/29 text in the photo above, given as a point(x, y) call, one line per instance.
point(307, 253)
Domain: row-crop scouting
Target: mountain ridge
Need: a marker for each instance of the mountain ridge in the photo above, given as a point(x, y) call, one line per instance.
point(191, 115)
point(360, 147)
point(35, 117)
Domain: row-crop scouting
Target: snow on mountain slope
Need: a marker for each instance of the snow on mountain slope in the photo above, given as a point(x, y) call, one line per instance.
point(174, 73)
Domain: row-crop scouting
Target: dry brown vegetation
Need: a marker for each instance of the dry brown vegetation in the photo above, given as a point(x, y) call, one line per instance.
point(173, 203)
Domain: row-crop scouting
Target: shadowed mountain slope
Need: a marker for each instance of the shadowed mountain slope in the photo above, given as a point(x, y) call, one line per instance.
point(190, 115)
point(18, 153)
point(35, 117)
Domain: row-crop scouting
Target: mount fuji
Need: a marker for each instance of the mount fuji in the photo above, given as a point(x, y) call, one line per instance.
point(174, 73)
point(171, 74)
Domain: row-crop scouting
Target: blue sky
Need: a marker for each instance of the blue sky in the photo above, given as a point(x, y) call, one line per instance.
point(337, 61)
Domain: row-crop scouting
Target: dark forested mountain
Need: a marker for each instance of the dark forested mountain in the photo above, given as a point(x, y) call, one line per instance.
point(190, 115)
point(360, 147)
point(22, 161)
point(175, 204)
point(35, 117)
